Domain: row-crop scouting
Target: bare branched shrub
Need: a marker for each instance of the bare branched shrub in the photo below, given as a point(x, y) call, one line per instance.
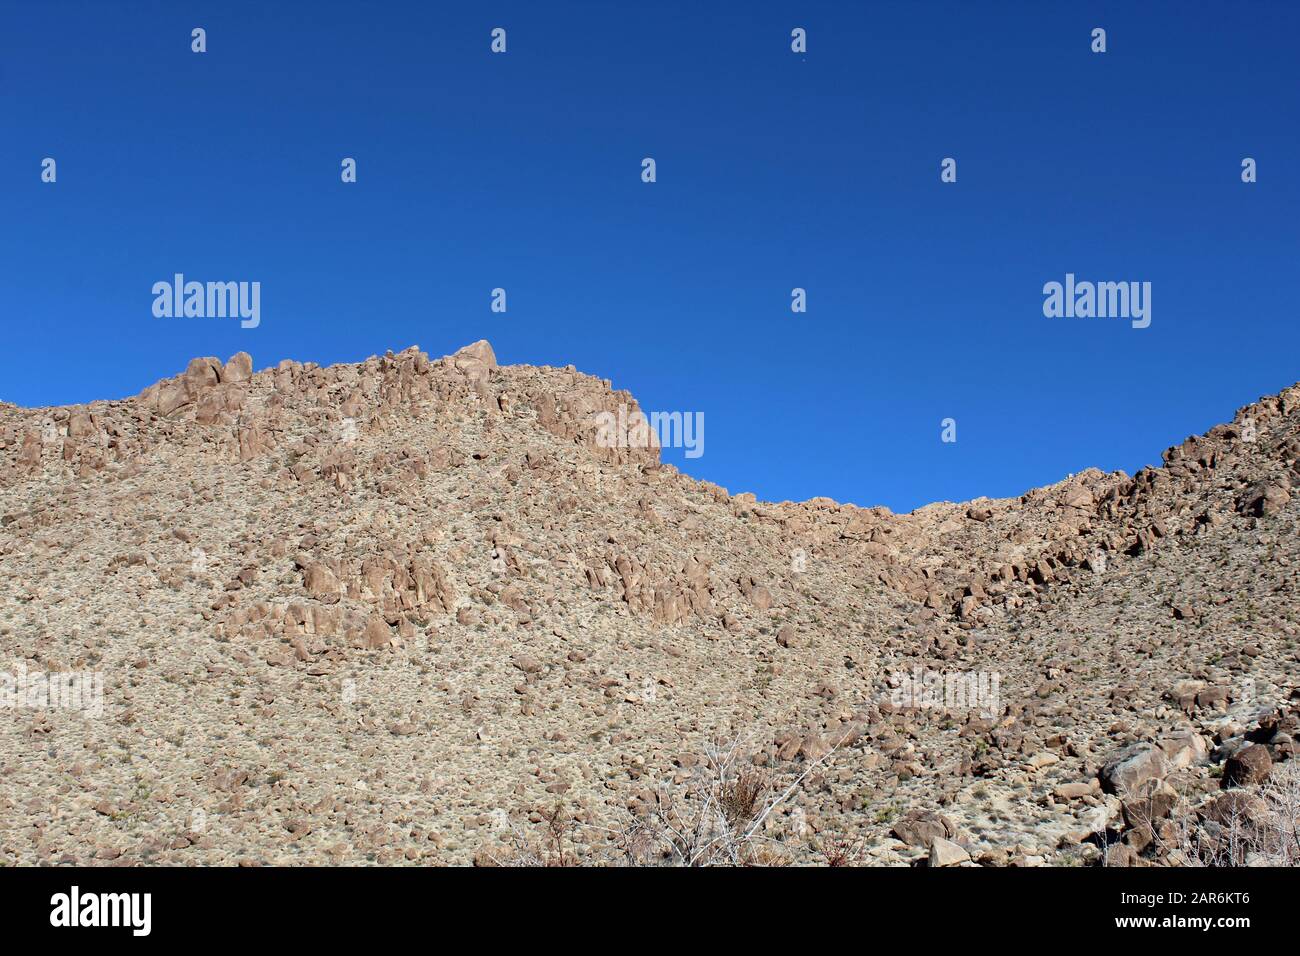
point(842, 851)
point(717, 819)
point(1282, 794)
point(711, 823)
point(1256, 825)
point(739, 797)
point(548, 849)
point(1211, 843)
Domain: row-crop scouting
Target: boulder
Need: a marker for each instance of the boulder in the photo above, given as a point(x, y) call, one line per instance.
point(923, 827)
point(1153, 801)
point(475, 361)
point(1236, 808)
point(170, 396)
point(946, 853)
point(202, 373)
point(239, 368)
point(1131, 767)
point(322, 584)
point(1183, 749)
point(1251, 765)
point(1265, 498)
point(377, 633)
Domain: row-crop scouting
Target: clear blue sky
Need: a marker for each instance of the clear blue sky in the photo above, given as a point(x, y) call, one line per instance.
point(775, 170)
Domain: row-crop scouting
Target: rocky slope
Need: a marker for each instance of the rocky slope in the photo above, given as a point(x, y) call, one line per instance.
point(410, 610)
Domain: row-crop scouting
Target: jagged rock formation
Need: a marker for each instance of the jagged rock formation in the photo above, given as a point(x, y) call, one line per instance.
point(395, 610)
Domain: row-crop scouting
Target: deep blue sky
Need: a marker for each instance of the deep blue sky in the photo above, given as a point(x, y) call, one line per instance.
point(775, 170)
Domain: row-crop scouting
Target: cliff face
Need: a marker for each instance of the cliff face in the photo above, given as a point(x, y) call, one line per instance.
point(399, 610)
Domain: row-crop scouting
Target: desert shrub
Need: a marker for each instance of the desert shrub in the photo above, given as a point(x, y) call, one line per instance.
point(1252, 826)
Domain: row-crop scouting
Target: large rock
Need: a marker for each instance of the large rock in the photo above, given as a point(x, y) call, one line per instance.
point(166, 397)
point(1183, 749)
point(202, 373)
point(377, 633)
point(1265, 498)
point(321, 583)
point(946, 853)
point(1248, 766)
point(1131, 767)
point(1236, 808)
point(475, 360)
point(239, 368)
point(923, 827)
point(1153, 800)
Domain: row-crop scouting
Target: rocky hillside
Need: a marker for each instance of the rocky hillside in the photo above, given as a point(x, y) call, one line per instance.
point(411, 610)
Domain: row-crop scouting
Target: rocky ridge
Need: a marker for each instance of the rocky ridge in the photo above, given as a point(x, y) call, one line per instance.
point(400, 610)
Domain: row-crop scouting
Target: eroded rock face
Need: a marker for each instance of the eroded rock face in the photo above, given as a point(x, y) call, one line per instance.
point(433, 568)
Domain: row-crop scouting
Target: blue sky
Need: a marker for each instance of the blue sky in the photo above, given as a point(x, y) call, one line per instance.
point(775, 170)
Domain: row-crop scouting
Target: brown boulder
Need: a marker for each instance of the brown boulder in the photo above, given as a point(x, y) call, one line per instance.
point(202, 373)
point(321, 583)
point(170, 396)
point(377, 633)
point(1236, 808)
point(1265, 498)
point(1248, 766)
point(475, 361)
point(239, 368)
point(1154, 800)
point(922, 827)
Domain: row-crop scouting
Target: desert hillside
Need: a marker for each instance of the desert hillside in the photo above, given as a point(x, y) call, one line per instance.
point(411, 610)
